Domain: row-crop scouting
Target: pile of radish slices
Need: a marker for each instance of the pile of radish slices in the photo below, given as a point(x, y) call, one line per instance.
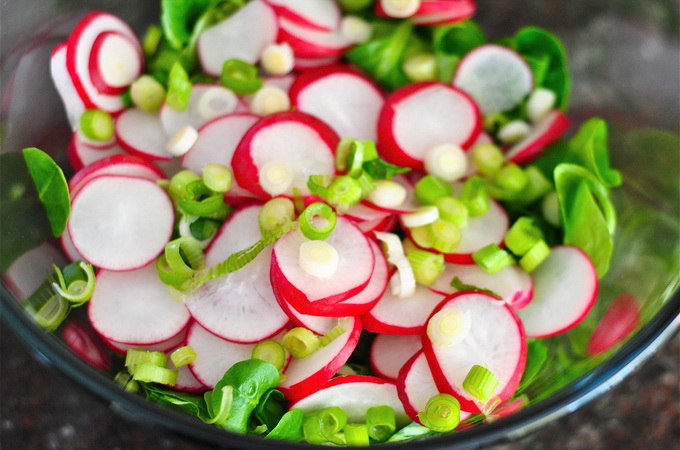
point(273, 140)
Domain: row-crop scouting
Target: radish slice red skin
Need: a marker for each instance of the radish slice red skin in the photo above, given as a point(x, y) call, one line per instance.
point(129, 127)
point(83, 341)
point(70, 98)
point(440, 377)
point(616, 324)
point(95, 70)
point(289, 11)
point(532, 146)
point(387, 143)
point(301, 40)
point(389, 351)
point(437, 12)
point(163, 346)
point(80, 154)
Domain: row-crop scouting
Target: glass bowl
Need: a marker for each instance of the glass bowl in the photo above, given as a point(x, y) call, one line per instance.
point(624, 65)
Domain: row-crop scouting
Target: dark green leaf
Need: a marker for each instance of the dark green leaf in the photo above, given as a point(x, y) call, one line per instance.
point(537, 354)
point(451, 42)
point(178, 18)
point(460, 286)
point(412, 432)
point(191, 404)
point(289, 427)
point(271, 408)
point(382, 170)
point(589, 149)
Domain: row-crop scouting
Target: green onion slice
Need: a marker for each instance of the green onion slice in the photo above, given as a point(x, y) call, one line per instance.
point(535, 256)
point(381, 422)
point(183, 356)
point(240, 76)
point(179, 183)
point(522, 236)
point(318, 184)
point(147, 94)
point(480, 383)
point(217, 177)
point(487, 158)
point(134, 357)
point(76, 283)
point(492, 258)
point(125, 380)
point(344, 190)
point(442, 413)
point(324, 425)
point(317, 221)
point(334, 333)
point(343, 150)
point(356, 434)
point(46, 307)
point(474, 195)
point(271, 351)
point(96, 125)
point(275, 213)
point(200, 200)
point(179, 88)
point(429, 188)
point(154, 374)
point(452, 210)
point(382, 170)
point(300, 342)
point(444, 236)
point(184, 256)
point(427, 266)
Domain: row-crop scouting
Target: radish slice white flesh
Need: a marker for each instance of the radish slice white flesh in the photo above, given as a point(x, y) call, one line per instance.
point(239, 306)
point(390, 352)
point(70, 249)
point(495, 340)
point(439, 12)
point(207, 102)
point(377, 225)
point(323, 15)
point(244, 35)
point(354, 394)
point(142, 134)
point(305, 375)
point(318, 324)
point(402, 316)
point(73, 104)
point(302, 64)
point(542, 134)
point(355, 267)
point(135, 307)
point(81, 154)
point(347, 101)
point(299, 141)
point(565, 288)
point(121, 223)
point(512, 283)
point(116, 61)
point(309, 43)
point(497, 77)
point(163, 346)
point(27, 272)
point(83, 341)
point(423, 115)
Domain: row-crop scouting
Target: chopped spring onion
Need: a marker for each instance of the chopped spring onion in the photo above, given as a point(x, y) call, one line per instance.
point(366, 182)
point(152, 37)
point(370, 151)
point(344, 148)
point(356, 434)
point(541, 102)
point(134, 357)
point(217, 177)
point(535, 256)
point(269, 100)
point(318, 258)
point(420, 236)
point(276, 177)
point(184, 256)
point(200, 200)
point(355, 29)
point(444, 236)
point(442, 413)
point(317, 221)
point(452, 210)
point(403, 282)
point(179, 183)
point(408, 245)
point(324, 425)
point(550, 207)
point(392, 246)
point(344, 191)
point(537, 185)
point(179, 281)
point(179, 88)
point(487, 158)
point(125, 380)
point(381, 422)
point(274, 213)
point(513, 131)
point(183, 356)
point(387, 194)
point(147, 94)
point(429, 188)
point(354, 5)
point(449, 326)
point(76, 283)
point(215, 102)
point(400, 9)
point(96, 125)
point(355, 159)
point(318, 185)
point(448, 162)
point(423, 215)
point(277, 59)
point(510, 180)
point(473, 194)
point(480, 383)
point(226, 400)
point(47, 308)
point(334, 333)
point(200, 228)
point(522, 235)
point(182, 141)
point(271, 351)
point(427, 266)
point(300, 342)
point(240, 76)
point(298, 199)
point(421, 67)
point(492, 258)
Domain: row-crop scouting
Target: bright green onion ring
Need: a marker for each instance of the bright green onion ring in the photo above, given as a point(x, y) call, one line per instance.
point(317, 221)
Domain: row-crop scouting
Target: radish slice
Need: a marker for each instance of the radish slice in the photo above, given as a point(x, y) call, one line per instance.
point(302, 64)
point(409, 204)
point(73, 104)
point(142, 134)
point(390, 352)
point(402, 316)
point(27, 272)
point(81, 154)
point(302, 290)
point(346, 100)
point(439, 12)
point(512, 283)
point(116, 312)
point(416, 385)
point(495, 340)
point(309, 43)
point(377, 225)
point(121, 223)
point(162, 347)
point(543, 133)
point(69, 249)
point(239, 306)
point(244, 35)
point(420, 116)
point(363, 213)
point(299, 141)
point(207, 102)
point(354, 394)
point(318, 324)
point(322, 15)
point(306, 375)
point(80, 46)
point(116, 61)
point(616, 324)
point(565, 288)
point(497, 77)
point(186, 381)
point(217, 141)
point(82, 340)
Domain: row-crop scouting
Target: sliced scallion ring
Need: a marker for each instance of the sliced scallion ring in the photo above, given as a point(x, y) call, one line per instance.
point(271, 351)
point(240, 76)
point(442, 413)
point(300, 342)
point(480, 383)
point(317, 221)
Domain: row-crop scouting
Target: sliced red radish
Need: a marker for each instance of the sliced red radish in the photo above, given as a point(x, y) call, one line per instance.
point(364, 213)
point(543, 133)
point(354, 394)
point(121, 223)
point(83, 341)
point(409, 204)
point(243, 35)
point(303, 290)
point(207, 102)
point(512, 283)
point(439, 12)
point(70, 249)
point(318, 324)
point(497, 77)
point(390, 352)
point(322, 15)
point(565, 288)
point(216, 143)
point(402, 316)
point(129, 165)
point(116, 61)
point(420, 116)
point(617, 323)
point(416, 385)
point(302, 64)
point(346, 100)
point(281, 151)
point(310, 43)
point(306, 375)
point(73, 104)
point(163, 346)
point(495, 340)
point(80, 47)
point(81, 154)
point(142, 134)
point(135, 307)
point(371, 226)
point(239, 306)
point(27, 272)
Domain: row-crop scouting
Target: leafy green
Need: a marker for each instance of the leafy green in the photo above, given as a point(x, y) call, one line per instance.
point(52, 187)
point(537, 355)
point(178, 18)
point(451, 42)
point(289, 427)
point(271, 408)
point(382, 170)
point(412, 432)
point(589, 149)
point(191, 404)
